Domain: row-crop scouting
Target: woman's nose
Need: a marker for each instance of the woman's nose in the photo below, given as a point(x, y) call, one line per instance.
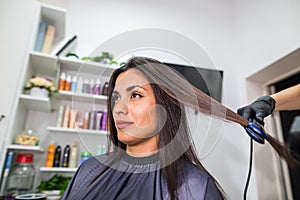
point(121, 107)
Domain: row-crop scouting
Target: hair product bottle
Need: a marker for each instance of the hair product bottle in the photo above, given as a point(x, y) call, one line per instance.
point(79, 119)
point(66, 118)
point(60, 116)
point(79, 85)
point(86, 120)
point(98, 120)
point(105, 88)
point(73, 84)
point(86, 86)
point(68, 83)
point(104, 121)
point(92, 118)
point(97, 88)
point(73, 115)
point(73, 158)
point(50, 155)
point(92, 86)
point(57, 156)
point(66, 155)
point(62, 81)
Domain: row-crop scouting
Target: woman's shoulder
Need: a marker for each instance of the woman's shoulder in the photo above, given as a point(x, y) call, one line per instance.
point(194, 172)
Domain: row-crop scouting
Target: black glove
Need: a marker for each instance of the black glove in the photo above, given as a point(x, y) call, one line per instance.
point(258, 110)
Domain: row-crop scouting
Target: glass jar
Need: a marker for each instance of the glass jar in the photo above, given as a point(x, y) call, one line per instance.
point(28, 137)
point(21, 176)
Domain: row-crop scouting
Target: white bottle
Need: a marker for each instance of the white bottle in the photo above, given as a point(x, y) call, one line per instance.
point(60, 116)
point(73, 84)
point(86, 86)
point(79, 85)
point(73, 160)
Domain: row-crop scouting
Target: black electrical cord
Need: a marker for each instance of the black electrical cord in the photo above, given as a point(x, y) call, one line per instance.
point(250, 169)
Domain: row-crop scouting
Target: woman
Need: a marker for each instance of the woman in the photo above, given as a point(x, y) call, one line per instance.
point(155, 157)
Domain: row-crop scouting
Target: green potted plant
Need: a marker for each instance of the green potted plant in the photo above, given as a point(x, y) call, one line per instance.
point(55, 186)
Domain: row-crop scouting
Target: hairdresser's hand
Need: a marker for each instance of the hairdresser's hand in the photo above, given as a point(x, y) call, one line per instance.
point(258, 110)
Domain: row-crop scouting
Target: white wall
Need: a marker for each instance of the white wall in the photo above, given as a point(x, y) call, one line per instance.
point(211, 26)
point(14, 39)
point(241, 37)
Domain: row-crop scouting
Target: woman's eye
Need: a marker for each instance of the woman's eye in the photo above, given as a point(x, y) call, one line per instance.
point(115, 98)
point(136, 95)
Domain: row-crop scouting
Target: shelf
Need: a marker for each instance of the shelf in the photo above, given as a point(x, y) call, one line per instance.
point(36, 103)
point(58, 169)
point(25, 148)
point(87, 66)
point(76, 131)
point(82, 97)
point(43, 63)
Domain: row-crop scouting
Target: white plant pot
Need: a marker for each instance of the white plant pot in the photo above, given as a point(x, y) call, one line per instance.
point(39, 92)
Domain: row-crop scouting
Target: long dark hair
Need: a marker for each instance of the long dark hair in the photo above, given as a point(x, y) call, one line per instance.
point(175, 143)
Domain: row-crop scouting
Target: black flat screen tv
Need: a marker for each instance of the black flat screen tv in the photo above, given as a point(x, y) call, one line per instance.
point(209, 81)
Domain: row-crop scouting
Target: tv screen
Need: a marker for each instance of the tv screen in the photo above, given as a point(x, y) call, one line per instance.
point(207, 80)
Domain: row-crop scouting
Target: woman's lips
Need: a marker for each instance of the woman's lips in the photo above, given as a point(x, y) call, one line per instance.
point(123, 124)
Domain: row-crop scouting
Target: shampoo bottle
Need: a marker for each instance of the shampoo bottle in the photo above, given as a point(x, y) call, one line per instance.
point(62, 81)
point(50, 155)
point(66, 156)
point(97, 88)
point(57, 155)
point(73, 84)
point(73, 158)
point(68, 83)
point(79, 85)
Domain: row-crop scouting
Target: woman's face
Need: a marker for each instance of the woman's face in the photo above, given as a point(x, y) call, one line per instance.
point(134, 111)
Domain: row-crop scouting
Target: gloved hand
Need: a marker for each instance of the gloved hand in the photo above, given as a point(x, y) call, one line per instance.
point(258, 110)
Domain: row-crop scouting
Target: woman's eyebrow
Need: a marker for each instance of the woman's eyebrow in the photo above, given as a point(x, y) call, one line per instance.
point(115, 92)
point(134, 86)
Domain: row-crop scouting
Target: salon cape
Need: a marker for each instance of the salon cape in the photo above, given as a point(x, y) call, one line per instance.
point(135, 178)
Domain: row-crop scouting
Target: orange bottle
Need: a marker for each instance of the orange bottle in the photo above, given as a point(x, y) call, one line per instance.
point(68, 83)
point(50, 155)
point(62, 81)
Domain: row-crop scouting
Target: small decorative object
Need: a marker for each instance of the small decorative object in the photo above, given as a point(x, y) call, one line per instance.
point(40, 87)
point(28, 138)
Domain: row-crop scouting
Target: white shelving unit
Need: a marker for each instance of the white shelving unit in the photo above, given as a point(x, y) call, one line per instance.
point(40, 114)
point(43, 64)
point(36, 103)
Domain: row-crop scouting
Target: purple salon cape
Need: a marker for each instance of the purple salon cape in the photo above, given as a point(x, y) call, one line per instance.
point(135, 178)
